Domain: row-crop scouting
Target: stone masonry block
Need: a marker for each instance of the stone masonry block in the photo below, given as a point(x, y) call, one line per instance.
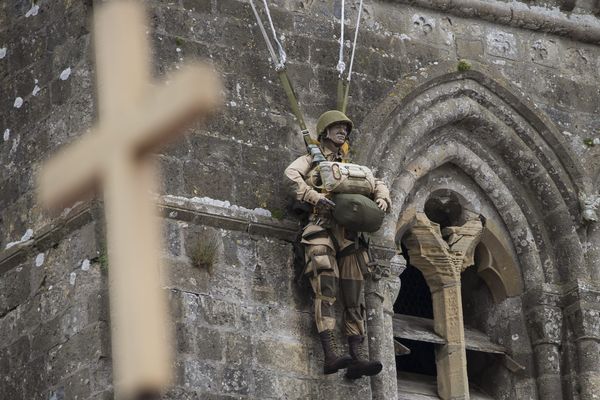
point(502, 44)
point(83, 348)
point(4, 362)
point(199, 6)
point(236, 8)
point(19, 352)
point(14, 288)
point(236, 379)
point(332, 389)
point(238, 346)
point(104, 395)
point(218, 312)
point(271, 385)
point(183, 276)
point(295, 323)
point(469, 48)
point(184, 338)
point(288, 356)
point(185, 307)
point(77, 386)
point(172, 237)
point(208, 344)
point(101, 377)
point(171, 174)
point(48, 335)
point(421, 53)
point(198, 180)
point(591, 360)
point(545, 52)
point(199, 375)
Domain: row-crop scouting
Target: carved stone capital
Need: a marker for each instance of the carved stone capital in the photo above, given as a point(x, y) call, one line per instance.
point(442, 256)
point(545, 325)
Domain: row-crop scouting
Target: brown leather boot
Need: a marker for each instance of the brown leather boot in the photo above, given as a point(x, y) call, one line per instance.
point(332, 362)
point(360, 365)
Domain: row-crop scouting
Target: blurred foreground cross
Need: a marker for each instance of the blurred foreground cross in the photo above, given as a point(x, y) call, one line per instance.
point(135, 118)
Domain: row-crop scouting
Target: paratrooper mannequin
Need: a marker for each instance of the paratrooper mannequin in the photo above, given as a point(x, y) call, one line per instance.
point(336, 257)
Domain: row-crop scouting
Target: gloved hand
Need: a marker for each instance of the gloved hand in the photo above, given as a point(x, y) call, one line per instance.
point(382, 204)
point(325, 204)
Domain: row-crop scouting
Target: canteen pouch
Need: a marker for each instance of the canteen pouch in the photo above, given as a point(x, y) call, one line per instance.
point(340, 177)
point(357, 213)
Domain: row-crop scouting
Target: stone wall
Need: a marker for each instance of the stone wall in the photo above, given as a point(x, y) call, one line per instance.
point(243, 324)
point(54, 314)
point(254, 138)
point(244, 329)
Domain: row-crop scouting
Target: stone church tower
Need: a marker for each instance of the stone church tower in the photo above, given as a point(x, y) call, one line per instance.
point(481, 116)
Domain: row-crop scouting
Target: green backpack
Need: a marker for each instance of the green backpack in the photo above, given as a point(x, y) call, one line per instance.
point(357, 213)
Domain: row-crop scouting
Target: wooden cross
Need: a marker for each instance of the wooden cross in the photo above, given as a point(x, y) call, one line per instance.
point(135, 117)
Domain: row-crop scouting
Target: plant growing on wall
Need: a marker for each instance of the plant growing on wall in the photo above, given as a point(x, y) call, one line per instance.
point(205, 252)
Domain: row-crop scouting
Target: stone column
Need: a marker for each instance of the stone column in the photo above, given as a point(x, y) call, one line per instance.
point(381, 289)
point(584, 311)
point(441, 256)
point(545, 330)
point(584, 317)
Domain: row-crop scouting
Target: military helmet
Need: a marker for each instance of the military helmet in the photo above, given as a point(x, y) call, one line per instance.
point(331, 117)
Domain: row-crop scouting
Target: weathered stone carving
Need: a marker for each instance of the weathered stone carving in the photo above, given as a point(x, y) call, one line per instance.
point(589, 206)
point(441, 255)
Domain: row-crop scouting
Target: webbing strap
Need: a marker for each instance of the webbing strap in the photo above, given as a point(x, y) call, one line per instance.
point(292, 99)
point(328, 299)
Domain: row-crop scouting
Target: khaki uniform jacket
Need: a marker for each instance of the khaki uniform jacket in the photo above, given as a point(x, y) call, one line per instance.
point(299, 170)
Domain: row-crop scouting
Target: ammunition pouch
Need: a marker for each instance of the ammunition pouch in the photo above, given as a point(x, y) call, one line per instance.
point(338, 177)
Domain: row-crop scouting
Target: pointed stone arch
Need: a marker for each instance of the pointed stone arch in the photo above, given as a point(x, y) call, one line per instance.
point(474, 122)
point(498, 138)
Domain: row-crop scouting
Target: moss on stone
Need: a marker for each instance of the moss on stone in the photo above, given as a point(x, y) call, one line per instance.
point(277, 213)
point(463, 66)
point(103, 260)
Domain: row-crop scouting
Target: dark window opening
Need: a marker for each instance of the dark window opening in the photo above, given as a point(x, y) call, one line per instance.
point(414, 297)
point(444, 209)
point(483, 368)
point(480, 367)
point(421, 359)
point(477, 299)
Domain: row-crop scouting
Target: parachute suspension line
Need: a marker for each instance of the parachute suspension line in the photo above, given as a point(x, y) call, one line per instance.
point(282, 55)
point(341, 65)
point(349, 77)
point(312, 145)
point(354, 42)
point(264, 34)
